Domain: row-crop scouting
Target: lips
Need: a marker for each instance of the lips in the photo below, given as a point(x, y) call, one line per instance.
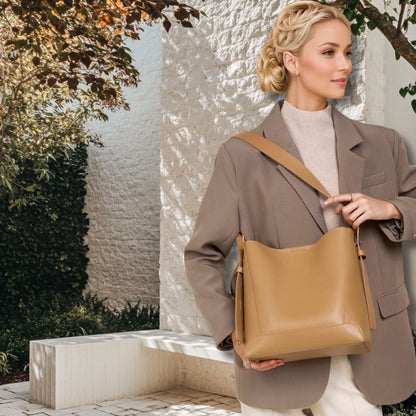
point(340, 81)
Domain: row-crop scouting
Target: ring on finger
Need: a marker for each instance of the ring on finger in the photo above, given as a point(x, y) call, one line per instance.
point(350, 197)
point(247, 364)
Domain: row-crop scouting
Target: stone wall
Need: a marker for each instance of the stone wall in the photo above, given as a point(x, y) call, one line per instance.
point(198, 88)
point(123, 200)
point(210, 92)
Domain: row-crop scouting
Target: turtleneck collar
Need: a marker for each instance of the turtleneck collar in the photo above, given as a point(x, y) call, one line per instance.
point(302, 117)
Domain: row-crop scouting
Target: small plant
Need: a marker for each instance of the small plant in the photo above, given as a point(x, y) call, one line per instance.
point(5, 362)
point(61, 316)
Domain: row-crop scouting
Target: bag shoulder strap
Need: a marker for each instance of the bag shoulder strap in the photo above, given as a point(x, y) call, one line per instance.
point(295, 166)
point(283, 157)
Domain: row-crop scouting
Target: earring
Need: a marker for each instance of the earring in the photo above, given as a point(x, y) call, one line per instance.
point(296, 73)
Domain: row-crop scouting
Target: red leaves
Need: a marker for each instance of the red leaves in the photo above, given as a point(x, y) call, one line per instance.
point(85, 39)
point(73, 83)
point(167, 24)
point(51, 81)
point(181, 14)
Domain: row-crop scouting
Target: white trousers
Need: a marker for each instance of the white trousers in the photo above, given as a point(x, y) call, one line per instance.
point(341, 397)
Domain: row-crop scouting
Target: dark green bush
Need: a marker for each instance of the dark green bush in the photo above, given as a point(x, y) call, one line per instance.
point(59, 318)
point(42, 250)
point(43, 264)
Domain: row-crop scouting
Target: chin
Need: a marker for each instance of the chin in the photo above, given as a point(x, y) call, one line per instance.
point(337, 96)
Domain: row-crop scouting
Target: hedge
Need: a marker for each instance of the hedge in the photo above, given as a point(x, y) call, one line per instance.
point(43, 265)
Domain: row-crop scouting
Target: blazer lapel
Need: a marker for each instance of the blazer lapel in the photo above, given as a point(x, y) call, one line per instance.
point(350, 165)
point(274, 128)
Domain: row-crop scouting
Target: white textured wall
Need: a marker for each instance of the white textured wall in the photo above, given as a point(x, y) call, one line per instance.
point(123, 200)
point(210, 92)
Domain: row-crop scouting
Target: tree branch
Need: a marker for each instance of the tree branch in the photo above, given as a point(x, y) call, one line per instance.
point(398, 40)
point(402, 8)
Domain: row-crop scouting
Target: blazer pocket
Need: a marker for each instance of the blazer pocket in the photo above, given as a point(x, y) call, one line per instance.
point(376, 179)
point(393, 302)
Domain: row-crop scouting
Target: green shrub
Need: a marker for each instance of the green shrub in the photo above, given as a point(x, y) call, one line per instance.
point(57, 318)
point(42, 250)
point(43, 265)
point(5, 362)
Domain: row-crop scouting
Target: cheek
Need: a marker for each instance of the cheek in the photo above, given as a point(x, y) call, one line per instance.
point(319, 69)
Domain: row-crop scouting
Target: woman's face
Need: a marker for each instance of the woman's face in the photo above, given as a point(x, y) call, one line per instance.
point(324, 63)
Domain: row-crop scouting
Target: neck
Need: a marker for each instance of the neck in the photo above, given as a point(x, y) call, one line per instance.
point(309, 104)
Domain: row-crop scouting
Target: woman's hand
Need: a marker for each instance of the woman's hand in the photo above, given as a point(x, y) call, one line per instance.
point(254, 364)
point(357, 208)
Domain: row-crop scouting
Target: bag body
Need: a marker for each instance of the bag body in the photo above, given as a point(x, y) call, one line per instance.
point(302, 302)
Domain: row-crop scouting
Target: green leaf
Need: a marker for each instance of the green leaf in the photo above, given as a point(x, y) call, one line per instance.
point(355, 29)
point(360, 19)
point(350, 14)
point(31, 188)
point(21, 43)
point(63, 56)
point(403, 91)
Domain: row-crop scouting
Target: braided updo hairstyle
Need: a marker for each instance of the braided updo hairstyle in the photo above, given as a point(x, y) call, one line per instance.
point(290, 32)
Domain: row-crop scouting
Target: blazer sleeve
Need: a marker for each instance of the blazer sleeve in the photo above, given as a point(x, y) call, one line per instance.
point(216, 227)
point(406, 199)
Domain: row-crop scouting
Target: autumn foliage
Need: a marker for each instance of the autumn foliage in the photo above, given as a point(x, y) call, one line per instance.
point(63, 62)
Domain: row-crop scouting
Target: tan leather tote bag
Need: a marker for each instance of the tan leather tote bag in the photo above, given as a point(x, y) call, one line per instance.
point(302, 302)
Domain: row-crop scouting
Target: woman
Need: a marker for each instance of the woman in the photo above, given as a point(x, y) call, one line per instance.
point(365, 167)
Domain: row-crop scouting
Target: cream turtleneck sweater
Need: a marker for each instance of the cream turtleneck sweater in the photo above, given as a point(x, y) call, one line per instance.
point(314, 135)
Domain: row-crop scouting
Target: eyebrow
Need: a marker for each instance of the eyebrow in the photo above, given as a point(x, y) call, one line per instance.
point(334, 44)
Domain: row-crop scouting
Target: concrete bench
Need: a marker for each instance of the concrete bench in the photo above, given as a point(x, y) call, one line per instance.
point(75, 371)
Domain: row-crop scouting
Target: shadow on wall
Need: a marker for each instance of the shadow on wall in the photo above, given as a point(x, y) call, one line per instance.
point(209, 92)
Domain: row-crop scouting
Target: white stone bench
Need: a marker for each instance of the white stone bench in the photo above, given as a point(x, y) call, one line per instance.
point(75, 371)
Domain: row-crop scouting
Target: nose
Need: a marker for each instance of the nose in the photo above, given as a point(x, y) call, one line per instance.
point(344, 63)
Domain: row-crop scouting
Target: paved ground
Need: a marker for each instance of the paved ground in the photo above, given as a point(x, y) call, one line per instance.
point(14, 401)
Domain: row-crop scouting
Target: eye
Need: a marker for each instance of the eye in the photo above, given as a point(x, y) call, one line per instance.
point(349, 53)
point(329, 52)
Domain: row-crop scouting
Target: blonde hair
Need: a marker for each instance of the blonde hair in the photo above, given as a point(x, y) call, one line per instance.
point(290, 32)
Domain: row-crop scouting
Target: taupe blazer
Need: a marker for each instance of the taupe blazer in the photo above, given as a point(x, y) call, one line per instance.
point(251, 193)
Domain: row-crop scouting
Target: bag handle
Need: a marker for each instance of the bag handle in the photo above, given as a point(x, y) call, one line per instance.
point(295, 166)
point(283, 157)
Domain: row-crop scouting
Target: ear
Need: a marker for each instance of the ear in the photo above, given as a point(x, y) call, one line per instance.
point(290, 62)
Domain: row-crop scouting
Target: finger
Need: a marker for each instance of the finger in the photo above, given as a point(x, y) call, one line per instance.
point(338, 209)
point(356, 213)
point(360, 220)
point(266, 364)
point(341, 198)
point(347, 210)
